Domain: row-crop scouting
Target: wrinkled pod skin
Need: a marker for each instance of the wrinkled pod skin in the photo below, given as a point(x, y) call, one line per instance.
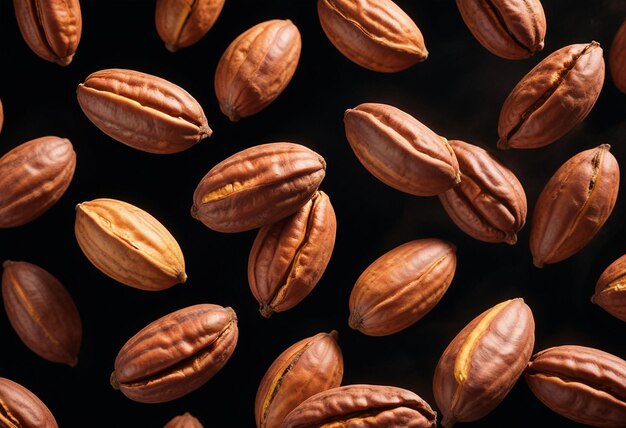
point(489, 203)
point(374, 34)
point(610, 290)
point(21, 408)
point(307, 367)
point(51, 28)
point(552, 98)
point(483, 362)
point(574, 205)
point(583, 384)
point(363, 405)
point(33, 177)
point(176, 354)
point(617, 58)
point(185, 420)
point(289, 257)
point(142, 111)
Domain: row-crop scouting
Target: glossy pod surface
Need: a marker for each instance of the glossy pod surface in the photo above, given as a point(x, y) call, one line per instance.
point(610, 290)
point(21, 408)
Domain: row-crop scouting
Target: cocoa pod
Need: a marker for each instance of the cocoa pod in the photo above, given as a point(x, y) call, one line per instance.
point(185, 420)
point(307, 367)
point(33, 177)
point(574, 205)
point(617, 58)
point(20, 407)
point(142, 111)
point(176, 354)
point(401, 151)
point(483, 362)
point(583, 384)
point(610, 290)
point(1, 115)
point(128, 244)
point(552, 98)
point(401, 286)
point(257, 186)
point(374, 34)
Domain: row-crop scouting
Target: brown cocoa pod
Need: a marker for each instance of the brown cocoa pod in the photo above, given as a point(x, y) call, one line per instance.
point(363, 405)
point(128, 244)
point(20, 407)
point(510, 29)
point(182, 23)
point(307, 367)
point(574, 205)
point(176, 354)
point(375, 34)
point(142, 111)
point(257, 67)
point(552, 98)
point(289, 257)
point(583, 384)
point(42, 312)
point(257, 186)
point(185, 420)
point(617, 58)
point(483, 362)
point(489, 203)
point(401, 286)
point(51, 28)
point(1, 115)
point(401, 151)
point(610, 291)
point(33, 177)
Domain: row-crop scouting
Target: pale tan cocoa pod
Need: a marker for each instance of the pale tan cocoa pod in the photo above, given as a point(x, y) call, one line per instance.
point(510, 29)
point(20, 407)
point(574, 205)
point(483, 362)
point(185, 420)
point(610, 290)
point(289, 257)
point(363, 405)
point(307, 367)
point(489, 203)
point(142, 111)
point(401, 151)
point(583, 384)
point(257, 67)
point(42, 312)
point(401, 286)
point(182, 23)
point(51, 28)
point(617, 58)
point(375, 34)
point(128, 244)
point(33, 177)
point(257, 186)
point(176, 354)
point(552, 98)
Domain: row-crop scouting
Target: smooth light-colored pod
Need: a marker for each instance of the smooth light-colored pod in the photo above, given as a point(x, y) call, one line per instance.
point(185, 420)
point(483, 362)
point(257, 67)
point(375, 34)
point(22, 408)
point(610, 291)
point(128, 244)
point(617, 58)
point(182, 23)
point(574, 205)
point(401, 151)
point(552, 98)
point(143, 111)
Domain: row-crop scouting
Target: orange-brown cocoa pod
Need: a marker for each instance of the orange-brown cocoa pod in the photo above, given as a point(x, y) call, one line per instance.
point(610, 290)
point(20, 407)
point(617, 58)
point(185, 420)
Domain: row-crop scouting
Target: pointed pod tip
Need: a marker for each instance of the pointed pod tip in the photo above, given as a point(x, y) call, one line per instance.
point(113, 380)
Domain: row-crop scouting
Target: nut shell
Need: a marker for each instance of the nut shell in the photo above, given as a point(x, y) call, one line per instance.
point(22, 408)
point(185, 420)
point(610, 290)
point(617, 58)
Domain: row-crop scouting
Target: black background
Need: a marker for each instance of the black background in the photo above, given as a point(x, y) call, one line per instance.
point(457, 92)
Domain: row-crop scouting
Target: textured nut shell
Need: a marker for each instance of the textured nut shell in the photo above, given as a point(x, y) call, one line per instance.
point(289, 257)
point(42, 312)
point(33, 177)
point(128, 244)
point(364, 406)
point(51, 28)
point(142, 111)
point(511, 29)
point(583, 384)
point(574, 205)
point(610, 291)
point(483, 362)
point(185, 420)
point(182, 23)
point(256, 67)
point(552, 98)
point(375, 34)
point(617, 58)
point(401, 151)
point(257, 186)
point(176, 354)
point(307, 367)
point(22, 408)
point(401, 286)
point(489, 203)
